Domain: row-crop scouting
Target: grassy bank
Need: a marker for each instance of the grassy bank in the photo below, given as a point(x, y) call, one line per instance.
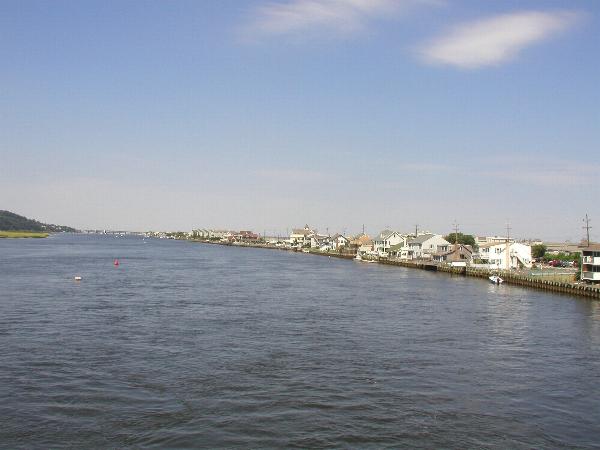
point(22, 234)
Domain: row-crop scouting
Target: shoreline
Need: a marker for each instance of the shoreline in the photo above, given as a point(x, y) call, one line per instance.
point(509, 277)
point(23, 235)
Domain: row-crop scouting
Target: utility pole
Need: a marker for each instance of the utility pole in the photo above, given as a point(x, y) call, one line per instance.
point(587, 228)
point(455, 235)
point(508, 244)
point(416, 230)
point(363, 229)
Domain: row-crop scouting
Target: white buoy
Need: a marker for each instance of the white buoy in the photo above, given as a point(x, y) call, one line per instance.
point(77, 278)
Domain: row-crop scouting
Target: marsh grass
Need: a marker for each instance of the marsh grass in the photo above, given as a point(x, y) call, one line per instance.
point(22, 234)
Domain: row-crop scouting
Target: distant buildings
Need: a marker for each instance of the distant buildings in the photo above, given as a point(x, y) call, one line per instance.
point(494, 251)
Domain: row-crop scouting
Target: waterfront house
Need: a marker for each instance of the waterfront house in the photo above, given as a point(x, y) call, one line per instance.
point(362, 243)
point(337, 241)
point(200, 234)
point(424, 246)
point(219, 234)
point(320, 241)
point(247, 236)
point(590, 263)
point(456, 253)
point(385, 240)
point(301, 237)
point(496, 256)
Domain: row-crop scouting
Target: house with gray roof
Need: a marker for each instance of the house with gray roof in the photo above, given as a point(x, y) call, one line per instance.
point(424, 246)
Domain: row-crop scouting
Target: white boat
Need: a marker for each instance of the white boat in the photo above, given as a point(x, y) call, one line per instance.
point(496, 279)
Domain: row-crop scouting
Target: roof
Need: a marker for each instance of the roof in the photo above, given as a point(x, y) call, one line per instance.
point(420, 239)
point(563, 246)
point(302, 231)
point(593, 247)
point(362, 239)
point(384, 234)
point(395, 248)
point(461, 247)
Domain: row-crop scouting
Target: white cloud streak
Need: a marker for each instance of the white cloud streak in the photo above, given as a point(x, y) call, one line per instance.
point(493, 41)
point(340, 17)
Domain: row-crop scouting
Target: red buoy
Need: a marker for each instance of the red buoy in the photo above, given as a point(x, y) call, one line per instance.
point(116, 262)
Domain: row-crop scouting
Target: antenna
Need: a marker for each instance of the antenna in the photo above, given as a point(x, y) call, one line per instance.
point(587, 228)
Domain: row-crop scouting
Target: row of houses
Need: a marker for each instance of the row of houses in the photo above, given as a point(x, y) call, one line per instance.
point(495, 252)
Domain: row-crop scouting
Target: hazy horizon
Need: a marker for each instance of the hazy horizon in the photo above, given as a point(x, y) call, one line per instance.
point(268, 115)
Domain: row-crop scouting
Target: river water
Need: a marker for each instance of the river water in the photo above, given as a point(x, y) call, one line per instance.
point(189, 345)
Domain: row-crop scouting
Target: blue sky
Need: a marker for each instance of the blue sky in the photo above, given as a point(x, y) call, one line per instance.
point(268, 115)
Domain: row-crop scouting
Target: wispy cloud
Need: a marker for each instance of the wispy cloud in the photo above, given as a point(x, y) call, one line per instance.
point(426, 167)
point(541, 172)
point(293, 175)
point(497, 39)
point(340, 17)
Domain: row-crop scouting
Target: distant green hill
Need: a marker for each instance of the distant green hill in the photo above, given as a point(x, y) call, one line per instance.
point(13, 222)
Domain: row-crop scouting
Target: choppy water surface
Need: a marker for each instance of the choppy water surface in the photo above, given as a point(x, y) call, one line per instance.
point(191, 345)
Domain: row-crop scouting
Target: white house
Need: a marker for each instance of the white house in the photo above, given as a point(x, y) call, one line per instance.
point(301, 237)
point(337, 241)
point(385, 240)
point(201, 233)
point(424, 246)
point(218, 234)
point(495, 254)
point(590, 263)
point(320, 241)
